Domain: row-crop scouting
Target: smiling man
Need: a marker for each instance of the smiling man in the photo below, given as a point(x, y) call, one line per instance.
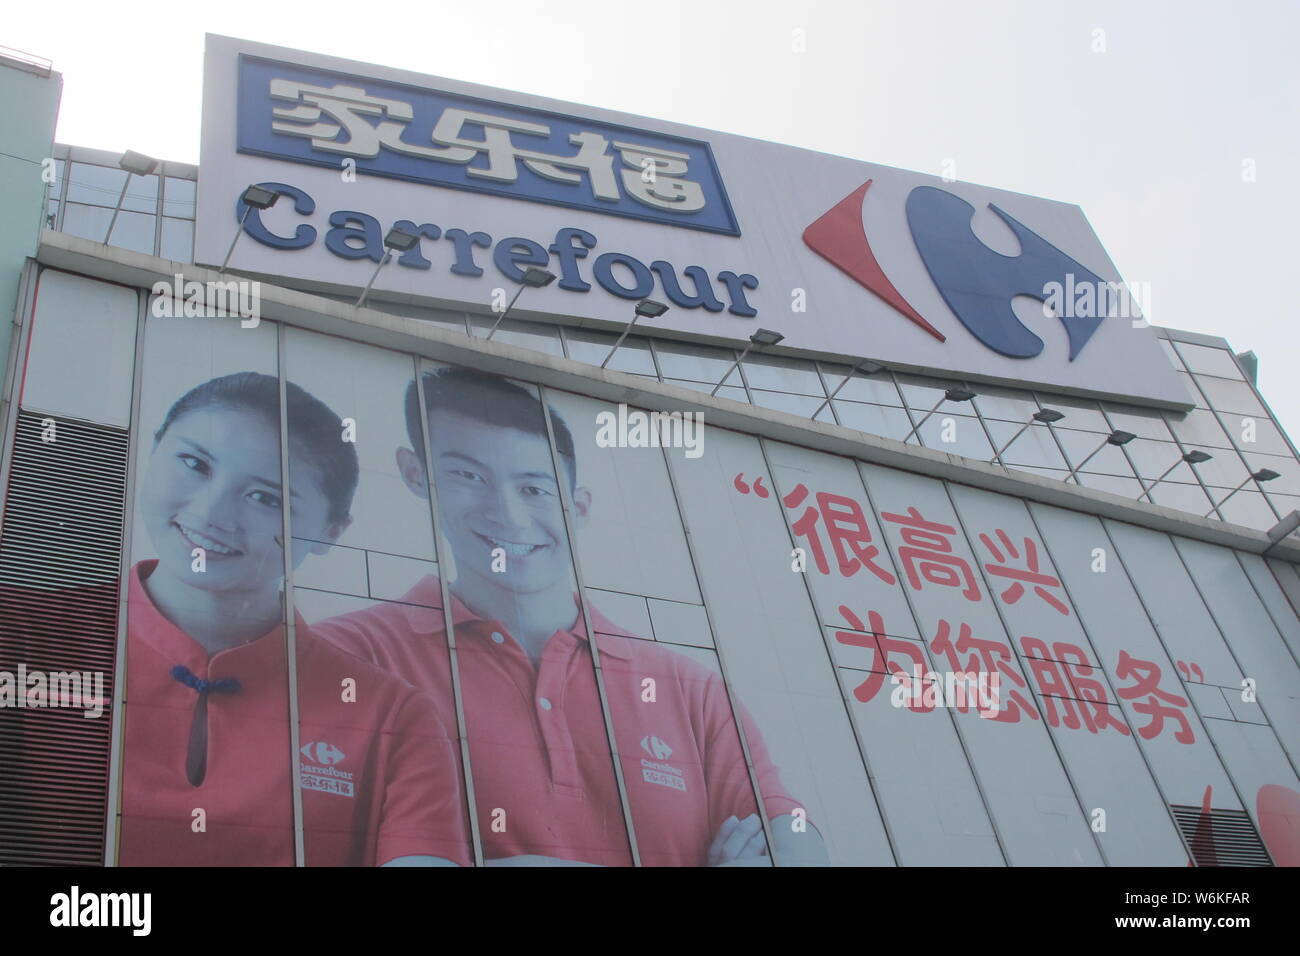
point(540, 757)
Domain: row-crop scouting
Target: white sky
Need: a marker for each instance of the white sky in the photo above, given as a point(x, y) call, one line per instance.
point(1149, 137)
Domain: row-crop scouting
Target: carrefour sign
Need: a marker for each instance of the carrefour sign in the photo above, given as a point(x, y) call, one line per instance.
point(353, 234)
point(430, 136)
point(847, 259)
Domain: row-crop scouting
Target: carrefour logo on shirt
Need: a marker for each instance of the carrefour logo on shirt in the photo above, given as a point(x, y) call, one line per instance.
point(322, 753)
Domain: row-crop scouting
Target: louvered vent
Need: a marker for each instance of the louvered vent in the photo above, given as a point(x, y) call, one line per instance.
point(60, 551)
point(1221, 837)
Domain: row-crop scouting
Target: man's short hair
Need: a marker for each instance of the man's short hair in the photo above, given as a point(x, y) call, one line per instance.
point(489, 399)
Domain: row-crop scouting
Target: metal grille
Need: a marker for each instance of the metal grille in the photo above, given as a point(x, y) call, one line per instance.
point(1221, 837)
point(60, 552)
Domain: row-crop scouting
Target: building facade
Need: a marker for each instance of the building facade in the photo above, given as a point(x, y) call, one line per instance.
point(926, 576)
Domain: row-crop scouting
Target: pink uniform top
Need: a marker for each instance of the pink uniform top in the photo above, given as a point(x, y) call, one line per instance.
point(542, 769)
point(380, 776)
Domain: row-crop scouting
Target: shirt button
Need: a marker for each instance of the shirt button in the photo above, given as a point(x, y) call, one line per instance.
point(546, 704)
point(497, 637)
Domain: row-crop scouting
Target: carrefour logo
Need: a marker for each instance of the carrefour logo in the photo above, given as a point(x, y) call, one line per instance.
point(322, 753)
point(656, 747)
point(354, 234)
point(976, 282)
point(420, 135)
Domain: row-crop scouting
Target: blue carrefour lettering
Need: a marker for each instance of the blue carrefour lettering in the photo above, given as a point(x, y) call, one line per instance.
point(355, 227)
point(465, 243)
point(604, 273)
point(979, 283)
point(513, 252)
point(303, 235)
point(703, 297)
point(355, 235)
point(569, 254)
point(413, 258)
point(736, 286)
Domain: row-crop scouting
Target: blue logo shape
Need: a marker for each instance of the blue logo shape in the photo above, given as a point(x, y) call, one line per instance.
point(979, 283)
point(380, 128)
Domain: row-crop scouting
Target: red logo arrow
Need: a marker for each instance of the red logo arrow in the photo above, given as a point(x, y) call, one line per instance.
point(838, 237)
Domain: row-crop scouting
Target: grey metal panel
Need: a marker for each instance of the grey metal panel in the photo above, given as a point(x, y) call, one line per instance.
point(1109, 609)
point(1209, 701)
point(1175, 605)
point(1271, 579)
point(124, 567)
point(1287, 574)
point(1104, 762)
point(802, 475)
point(676, 623)
point(1251, 636)
point(1246, 710)
point(366, 386)
point(1033, 805)
point(584, 602)
point(82, 349)
point(442, 550)
point(626, 542)
point(1039, 817)
point(1256, 762)
point(765, 627)
point(1110, 773)
point(627, 611)
point(290, 617)
point(923, 782)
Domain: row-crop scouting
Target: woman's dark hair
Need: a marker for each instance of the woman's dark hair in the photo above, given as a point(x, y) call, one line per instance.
point(314, 430)
point(491, 400)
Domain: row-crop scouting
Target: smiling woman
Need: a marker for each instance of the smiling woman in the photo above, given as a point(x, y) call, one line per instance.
point(212, 498)
point(207, 778)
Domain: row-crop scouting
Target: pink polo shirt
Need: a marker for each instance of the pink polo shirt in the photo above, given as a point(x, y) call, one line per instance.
point(379, 775)
point(543, 774)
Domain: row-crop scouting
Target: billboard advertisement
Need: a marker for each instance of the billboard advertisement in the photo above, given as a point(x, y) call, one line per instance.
point(509, 629)
point(548, 686)
point(845, 258)
point(399, 657)
point(219, 701)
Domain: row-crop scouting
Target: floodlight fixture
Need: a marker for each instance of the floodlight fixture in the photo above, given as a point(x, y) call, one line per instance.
point(761, 337)
point(396, 240)
point(533, 278)
point(646, 307)
point(133, 164)
point(862, 367)
point(253, 197)
point(954, 394)
point(1045, 416)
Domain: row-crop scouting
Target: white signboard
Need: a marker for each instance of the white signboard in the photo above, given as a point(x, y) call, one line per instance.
point(845, 258)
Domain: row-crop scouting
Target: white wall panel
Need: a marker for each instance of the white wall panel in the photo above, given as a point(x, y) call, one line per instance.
point(767, 634)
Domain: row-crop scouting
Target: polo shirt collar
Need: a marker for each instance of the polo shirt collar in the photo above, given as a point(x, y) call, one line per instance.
point(147, 623)
point(426, 596)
